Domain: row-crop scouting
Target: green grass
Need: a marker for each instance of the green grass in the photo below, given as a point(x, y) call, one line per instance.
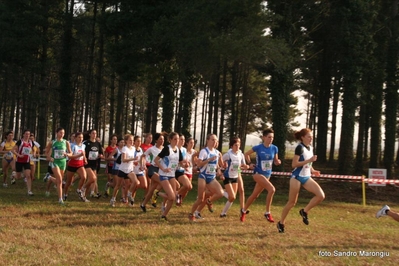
point(37, 231)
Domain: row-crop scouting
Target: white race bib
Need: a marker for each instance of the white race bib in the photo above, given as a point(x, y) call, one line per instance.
point(59, 154)
point(26, 150)
point(266, 165)
point(93, 155)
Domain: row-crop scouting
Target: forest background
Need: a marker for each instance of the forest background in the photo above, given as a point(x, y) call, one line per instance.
point(127, 66)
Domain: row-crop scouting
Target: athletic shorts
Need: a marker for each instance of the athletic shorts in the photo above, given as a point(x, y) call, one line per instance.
point(123, 175)
point(73, 169)
point(301, 179)
point(109, 169)
point(190, 176)
point(178, 174)
point(115, 172)
point(59, 164)
point(20, 166)
point(263, 173)
point(139, 175)
point(208, 178)
point(8, 160)
point(92, 164)
point(152, 170)
point(228, 180)
point(165, 178)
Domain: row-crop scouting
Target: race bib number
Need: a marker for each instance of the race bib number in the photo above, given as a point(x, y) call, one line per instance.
point(266, 165)
point(173, 166)
point(8, 155)
point(93, 155)
point(234, 167)
point(210, 169)
point(59, 154)
point(26, 150)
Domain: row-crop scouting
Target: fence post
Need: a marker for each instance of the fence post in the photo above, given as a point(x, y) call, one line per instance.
point(364, 191)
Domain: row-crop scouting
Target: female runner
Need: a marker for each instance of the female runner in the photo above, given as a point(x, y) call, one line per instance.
point(234, 161)
point(149, 156)
point(168, 160)
point(57, 152)
point(23, 150)
point(93, 152)
point(8, 160)
point(76, 164)
point(126, 168)
point(266, 155)
point(301, 175)
point(208, 162)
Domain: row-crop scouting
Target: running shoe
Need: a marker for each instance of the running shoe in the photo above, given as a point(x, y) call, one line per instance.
point(112, 203)
point(269, 217)
point(223, 215)
point(191, 217)
point(154, 204)
point(80, 194)
point(65, 197)
point(85, 200)
point(46, 177)
point(97, 196)
point(12, 180)
point(5, 185)
point(197, 215)
point(30, 193)
point(210, 205)
point(382, 211)
point(280, 227)
point(143, 208)
point(131, 200)
point(61, 202)
point(163, 218)
point(154, 197)
point(304, 216)
point(242, 215)
point(178, 200)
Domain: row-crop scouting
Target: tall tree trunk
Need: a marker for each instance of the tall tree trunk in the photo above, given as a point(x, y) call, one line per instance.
point(167, 104)
point(66, 95)
point(112, 105)
point(100, 66)
point(223, 101)
point(216, 105)
point(233, 97)
point(281, 83)
point(360, 140)
point(211, 104)
point(324, 104)
point(119, 107)
point(391, 91)
point(187, 103)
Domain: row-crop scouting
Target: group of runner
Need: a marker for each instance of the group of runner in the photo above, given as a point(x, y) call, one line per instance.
point(164, 171)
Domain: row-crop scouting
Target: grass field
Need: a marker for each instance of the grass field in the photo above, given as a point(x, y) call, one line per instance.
point(37, 231)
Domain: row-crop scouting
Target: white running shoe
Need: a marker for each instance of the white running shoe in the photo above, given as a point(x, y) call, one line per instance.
point(382, 211)
point(197, 215)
